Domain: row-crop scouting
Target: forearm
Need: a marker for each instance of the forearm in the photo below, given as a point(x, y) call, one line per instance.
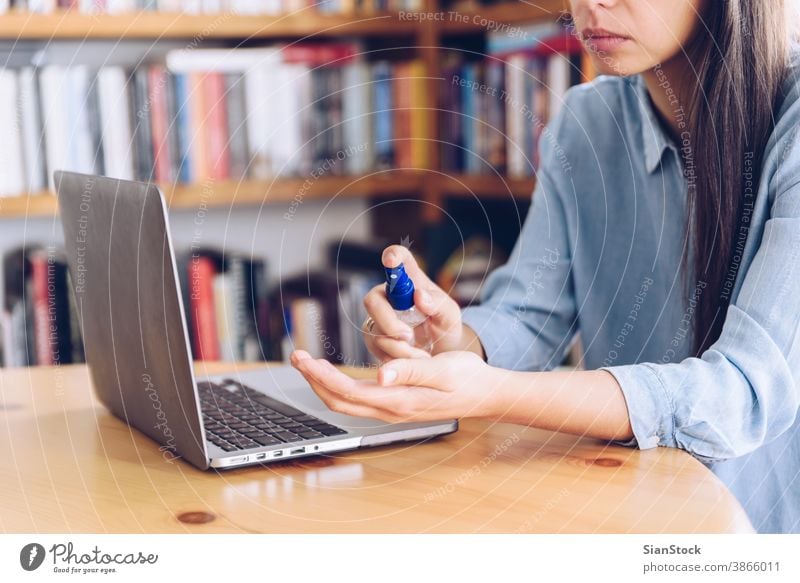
point(587, 403)
point(470, 342)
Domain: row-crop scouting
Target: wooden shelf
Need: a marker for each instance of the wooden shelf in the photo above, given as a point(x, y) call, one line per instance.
point(62, 25)
point(426, 35)
point(488, 187)
point(254, 193)
point(244, 193)
point(512, 13)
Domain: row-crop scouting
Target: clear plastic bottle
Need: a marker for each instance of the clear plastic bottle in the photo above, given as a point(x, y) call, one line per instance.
point(400, 293)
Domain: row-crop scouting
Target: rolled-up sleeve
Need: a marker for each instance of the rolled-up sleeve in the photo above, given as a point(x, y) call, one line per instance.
point(527, 316)
point(743, 391)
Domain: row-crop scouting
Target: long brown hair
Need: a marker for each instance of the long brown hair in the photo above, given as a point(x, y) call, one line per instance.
point(739, 56)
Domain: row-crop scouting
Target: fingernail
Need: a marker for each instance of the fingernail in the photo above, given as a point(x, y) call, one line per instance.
point(425, 297)
point(389, 376)
point(391, 258)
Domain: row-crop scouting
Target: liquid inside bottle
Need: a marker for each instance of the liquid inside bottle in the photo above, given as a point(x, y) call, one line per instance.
point(400, 293)
point(420, 325)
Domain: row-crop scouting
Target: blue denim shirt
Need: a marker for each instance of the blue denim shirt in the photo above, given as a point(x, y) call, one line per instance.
point(600, 253)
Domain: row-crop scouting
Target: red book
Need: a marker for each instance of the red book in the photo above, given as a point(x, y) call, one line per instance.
point(566, 43)
point(402, 99)
point(41, 319)
point(159, 121)
point(198, 128)
point(218, 157)
point(320, 54)
point(201, 297)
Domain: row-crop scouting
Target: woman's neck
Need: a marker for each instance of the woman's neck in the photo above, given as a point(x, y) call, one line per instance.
point(669, 86)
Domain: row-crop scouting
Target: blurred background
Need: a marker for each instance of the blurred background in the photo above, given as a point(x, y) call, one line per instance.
point(293, 141)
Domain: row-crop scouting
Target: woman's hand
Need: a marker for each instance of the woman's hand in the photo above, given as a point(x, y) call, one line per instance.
point(448, 386)
point(388, 337)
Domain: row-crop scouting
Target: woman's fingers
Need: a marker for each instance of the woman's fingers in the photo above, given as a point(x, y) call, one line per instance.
point(436, 304)
point(414, 372)
point(391, 349)
point(386, 321)
point(343, 392)
point(394, 255)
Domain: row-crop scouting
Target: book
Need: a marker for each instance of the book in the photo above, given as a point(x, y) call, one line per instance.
point(383, 105)
point(12, 177)
point(216, 114)
point(157, 101)
point(32, 130)
point(495, 109)
point(216, 122)
point(236, 117)
point(356, 126)
point(205, 339)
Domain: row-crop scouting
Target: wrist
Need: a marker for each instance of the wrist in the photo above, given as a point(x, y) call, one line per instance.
point(509, 392)
point(498, 393)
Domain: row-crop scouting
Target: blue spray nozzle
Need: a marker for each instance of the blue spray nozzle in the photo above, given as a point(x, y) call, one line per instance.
point(399, 288)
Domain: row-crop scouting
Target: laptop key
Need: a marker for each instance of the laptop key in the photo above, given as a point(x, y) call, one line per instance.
point(287, 436)
point(243, 443)
point(310, 434)
point(293, 426)
point(330, 430)
point(253, 433)
point(267, 440)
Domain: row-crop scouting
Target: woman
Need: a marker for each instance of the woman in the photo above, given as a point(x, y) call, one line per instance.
point(665, 228)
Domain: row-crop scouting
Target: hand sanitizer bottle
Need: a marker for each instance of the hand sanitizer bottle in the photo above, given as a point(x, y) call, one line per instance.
point(400, 293)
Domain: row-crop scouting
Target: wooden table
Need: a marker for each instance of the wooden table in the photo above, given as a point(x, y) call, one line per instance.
point(67, 465)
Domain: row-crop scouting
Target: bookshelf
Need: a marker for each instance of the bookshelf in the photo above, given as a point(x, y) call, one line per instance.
point(69, 25)
point(475, 20)
point(426, 36)
point(254, 192)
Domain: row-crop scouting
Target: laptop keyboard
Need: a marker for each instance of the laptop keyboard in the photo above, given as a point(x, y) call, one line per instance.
point(239, 417)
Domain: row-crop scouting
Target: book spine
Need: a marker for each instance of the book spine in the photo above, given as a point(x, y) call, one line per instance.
point(140, 121)
point(32, 130)
point(418, 114)
point(199, 128)
point(383, 134)
point(43, 328)
point(237, 125)
point(469, 115)
point(401, 98)
point(320, 54)
point(495, 118)
point(183, 109)
point(12, 177)
point(222, 296)
point(218, 155)
point(114, 104)
point(159, 118)
point(204, 320)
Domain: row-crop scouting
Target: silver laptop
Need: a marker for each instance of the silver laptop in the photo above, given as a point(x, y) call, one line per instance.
point(123, 272)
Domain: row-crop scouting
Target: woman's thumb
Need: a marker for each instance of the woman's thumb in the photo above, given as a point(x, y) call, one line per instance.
point(408, 371)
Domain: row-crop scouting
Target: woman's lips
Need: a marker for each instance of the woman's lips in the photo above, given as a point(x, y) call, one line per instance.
point(599, 40)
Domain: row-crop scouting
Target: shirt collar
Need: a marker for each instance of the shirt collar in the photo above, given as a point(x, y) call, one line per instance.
point(654, 138)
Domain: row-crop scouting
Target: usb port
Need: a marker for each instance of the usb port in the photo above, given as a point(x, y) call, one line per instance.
point(261, 456)
point(277, 454)
point(298, 450)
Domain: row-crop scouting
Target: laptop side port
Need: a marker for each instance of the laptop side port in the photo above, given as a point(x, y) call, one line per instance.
point(277, 453)
point(261, 456)
point(297, 450)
